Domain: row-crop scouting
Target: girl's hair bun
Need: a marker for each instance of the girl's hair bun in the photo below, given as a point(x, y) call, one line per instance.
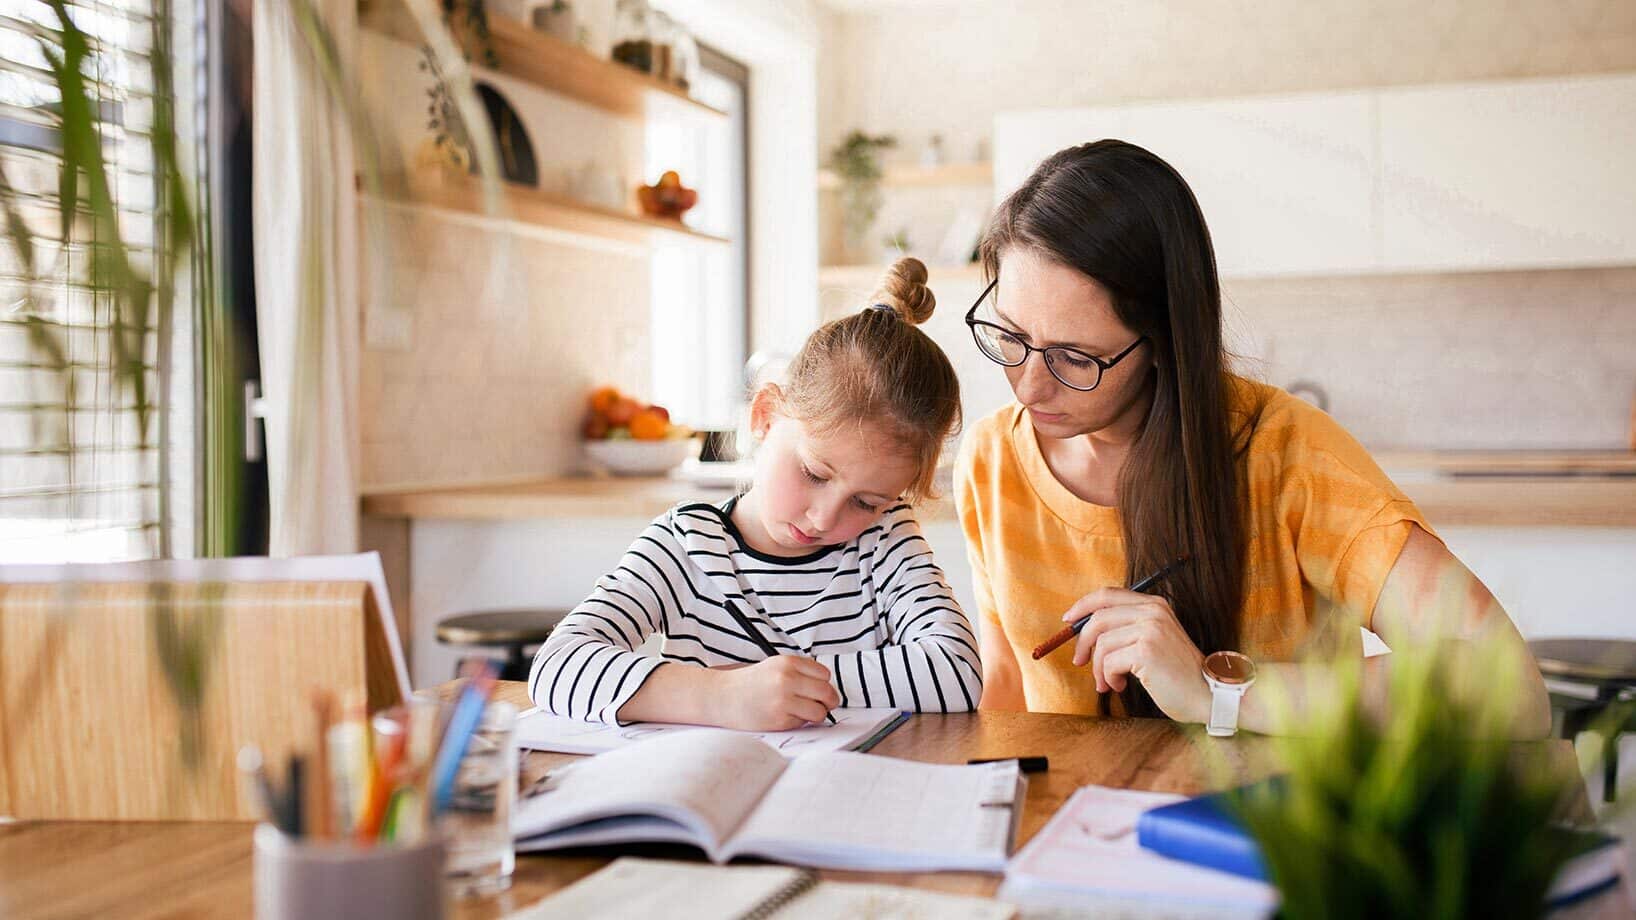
point(904, 289)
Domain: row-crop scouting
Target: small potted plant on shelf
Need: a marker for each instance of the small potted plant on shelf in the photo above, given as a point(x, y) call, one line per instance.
point(556, 18)
point(856, 161)
point(895, 245)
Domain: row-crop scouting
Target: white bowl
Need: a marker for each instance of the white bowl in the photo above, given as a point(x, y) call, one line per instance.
point(641, 458)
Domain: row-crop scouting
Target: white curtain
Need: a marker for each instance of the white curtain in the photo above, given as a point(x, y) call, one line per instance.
point(307, 305)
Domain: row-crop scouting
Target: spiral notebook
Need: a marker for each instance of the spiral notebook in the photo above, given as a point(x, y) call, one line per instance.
point(631, 887)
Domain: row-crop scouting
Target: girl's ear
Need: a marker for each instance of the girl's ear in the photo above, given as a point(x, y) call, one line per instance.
point(764, 406)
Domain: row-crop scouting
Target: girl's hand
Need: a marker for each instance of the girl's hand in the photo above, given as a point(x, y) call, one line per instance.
point(773, 695)
point(1138, 635)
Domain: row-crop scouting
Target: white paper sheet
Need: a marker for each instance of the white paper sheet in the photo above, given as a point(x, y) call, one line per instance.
point(541, 731)
point(355, 567)
point(1087, 857)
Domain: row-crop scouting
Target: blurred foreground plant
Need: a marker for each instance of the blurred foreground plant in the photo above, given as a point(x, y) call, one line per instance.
point(1420, 812)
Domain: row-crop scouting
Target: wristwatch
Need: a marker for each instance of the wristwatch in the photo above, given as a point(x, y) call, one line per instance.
point(1229, 674)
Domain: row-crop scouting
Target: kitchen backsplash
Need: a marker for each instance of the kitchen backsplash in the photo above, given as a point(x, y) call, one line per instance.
point(492, 383)
point(1500, 360)
point(1509, 360)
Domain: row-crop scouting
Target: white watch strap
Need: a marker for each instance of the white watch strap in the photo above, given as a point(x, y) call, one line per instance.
point(1223, 712)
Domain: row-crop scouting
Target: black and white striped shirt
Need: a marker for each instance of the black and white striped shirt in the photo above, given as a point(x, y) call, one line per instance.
point(876, 611)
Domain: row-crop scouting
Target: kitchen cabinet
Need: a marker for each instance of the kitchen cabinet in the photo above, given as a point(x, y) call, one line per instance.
point(1464, 177)
point(1316, 216)
point(1521, 174)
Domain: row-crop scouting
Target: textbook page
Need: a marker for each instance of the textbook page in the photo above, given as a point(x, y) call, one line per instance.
point(860, 811)
point(542, 731)
point(694, 787)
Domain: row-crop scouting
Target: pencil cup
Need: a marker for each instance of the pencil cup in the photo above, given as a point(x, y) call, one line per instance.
point(297, 880)
point(476, 824)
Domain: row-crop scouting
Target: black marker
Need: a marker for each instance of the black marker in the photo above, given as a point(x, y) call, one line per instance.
point(1038, 764)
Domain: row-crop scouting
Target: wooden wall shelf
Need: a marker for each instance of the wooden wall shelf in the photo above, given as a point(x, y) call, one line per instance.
point(550, 63)
point(462, 195)
point(908, 176)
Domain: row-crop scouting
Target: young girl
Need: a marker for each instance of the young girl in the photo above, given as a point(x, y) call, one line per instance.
point(822, 555)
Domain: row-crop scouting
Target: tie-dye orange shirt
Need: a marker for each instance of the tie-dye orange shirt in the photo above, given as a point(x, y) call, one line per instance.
point(1325, 524)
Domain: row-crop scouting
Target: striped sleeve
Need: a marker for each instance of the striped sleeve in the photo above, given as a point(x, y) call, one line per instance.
point(589, 667)
point(929, 661)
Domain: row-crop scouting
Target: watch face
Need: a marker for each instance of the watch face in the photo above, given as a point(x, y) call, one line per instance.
point(1230, 667)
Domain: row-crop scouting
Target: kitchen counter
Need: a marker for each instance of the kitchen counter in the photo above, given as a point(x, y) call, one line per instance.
point(1505, 489)
point(1465, 464)
point(1553, 544)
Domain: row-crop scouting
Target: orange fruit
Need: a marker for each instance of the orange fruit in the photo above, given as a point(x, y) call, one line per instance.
point(595, 428)
point(649, 425)
point(622, 411)
point(603, 398)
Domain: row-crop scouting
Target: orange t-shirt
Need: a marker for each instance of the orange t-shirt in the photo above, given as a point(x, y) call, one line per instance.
point(1325, 528)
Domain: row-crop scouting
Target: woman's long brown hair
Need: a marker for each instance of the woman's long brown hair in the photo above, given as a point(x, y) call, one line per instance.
point(1119, 214)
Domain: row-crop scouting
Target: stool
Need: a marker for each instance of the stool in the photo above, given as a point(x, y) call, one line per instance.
point(512, 630)
point(1607, 669)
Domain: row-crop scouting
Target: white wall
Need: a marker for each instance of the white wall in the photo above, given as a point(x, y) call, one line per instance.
point(779, 43)
point(950, 67)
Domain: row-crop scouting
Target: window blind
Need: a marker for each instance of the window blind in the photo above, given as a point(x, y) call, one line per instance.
point(83, 457)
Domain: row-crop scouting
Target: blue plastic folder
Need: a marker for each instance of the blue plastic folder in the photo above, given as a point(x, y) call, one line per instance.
point(1204, 832)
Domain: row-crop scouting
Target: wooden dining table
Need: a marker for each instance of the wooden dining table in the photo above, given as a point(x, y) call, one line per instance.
point(51, 869)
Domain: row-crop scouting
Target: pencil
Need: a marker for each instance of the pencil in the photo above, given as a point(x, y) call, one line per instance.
point(1071, 630)
point(760, 640)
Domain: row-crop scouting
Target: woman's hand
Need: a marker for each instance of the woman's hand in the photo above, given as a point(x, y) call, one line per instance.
point(1138, 635)
point(780, 693)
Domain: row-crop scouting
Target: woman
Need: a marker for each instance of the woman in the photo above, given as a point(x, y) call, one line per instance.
point(1131, 445)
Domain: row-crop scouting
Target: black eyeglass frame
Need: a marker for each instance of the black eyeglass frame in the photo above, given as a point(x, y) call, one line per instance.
point(1102, 366)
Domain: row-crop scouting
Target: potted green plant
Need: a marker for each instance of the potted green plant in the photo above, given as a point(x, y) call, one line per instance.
point(856, 162)
point(556, 18)
point(895, 245)
point(1418, 813)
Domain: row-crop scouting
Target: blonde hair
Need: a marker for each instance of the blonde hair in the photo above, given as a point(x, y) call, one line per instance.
point(875, 367)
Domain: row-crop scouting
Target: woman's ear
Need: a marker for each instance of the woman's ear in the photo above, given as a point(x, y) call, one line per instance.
point(764, 406)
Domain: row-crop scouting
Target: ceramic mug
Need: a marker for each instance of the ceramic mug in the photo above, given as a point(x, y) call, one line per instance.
point(304, 880)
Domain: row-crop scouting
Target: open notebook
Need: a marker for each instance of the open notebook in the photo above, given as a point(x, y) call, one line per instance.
point(630, 887)
point(730, 795)
point(854, 730)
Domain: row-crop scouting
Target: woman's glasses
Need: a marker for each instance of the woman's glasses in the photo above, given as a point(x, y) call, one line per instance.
point(1073, 368)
